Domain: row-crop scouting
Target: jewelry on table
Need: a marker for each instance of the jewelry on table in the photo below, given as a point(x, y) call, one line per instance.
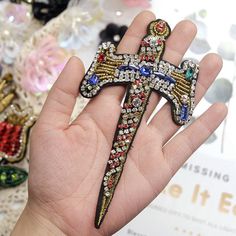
point(7, 91)
point(142, 73)
point(113, 33)
point(11, 176)
point(45, 11)
point(14, 131)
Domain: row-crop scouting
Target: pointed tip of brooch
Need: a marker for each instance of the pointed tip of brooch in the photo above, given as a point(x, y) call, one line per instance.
point(100, 214)
point(102, 208)
point(98, 223)
point(99, 219)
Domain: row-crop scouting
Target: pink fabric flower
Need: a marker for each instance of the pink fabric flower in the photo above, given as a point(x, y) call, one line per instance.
point(17, 13)
point(43, 65)
point(137, 3)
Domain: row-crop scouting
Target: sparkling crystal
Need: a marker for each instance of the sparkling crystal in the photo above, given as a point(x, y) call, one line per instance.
point(137, 102)
point(184, 113)
point(93, 80)
point(189, 73)
point(184, 98)
point(145, 71)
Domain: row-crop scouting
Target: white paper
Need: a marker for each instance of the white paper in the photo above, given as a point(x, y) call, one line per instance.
point(200, 200)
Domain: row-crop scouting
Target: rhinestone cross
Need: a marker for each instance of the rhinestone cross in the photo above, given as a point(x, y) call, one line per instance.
point(142, 73)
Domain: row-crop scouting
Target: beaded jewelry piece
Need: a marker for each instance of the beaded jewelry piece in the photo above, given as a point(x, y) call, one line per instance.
point(7, 93)
point(14, 129)
point(113, 33)
point(45, 11)
point(142, 73)
point(11, 176)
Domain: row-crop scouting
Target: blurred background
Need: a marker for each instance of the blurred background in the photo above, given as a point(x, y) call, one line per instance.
point(37, 37)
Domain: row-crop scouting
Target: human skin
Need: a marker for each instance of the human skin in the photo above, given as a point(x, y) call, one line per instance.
point(67, 160)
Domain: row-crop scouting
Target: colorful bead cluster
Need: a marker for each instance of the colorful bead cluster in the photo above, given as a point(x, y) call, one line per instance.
point(142, 73)
point(9, 138)
point(14, 129)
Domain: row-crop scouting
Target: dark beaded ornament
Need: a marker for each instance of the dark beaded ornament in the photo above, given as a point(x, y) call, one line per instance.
point(113, 33)
point(11, 176)
point(142, 73)
point(46, 11)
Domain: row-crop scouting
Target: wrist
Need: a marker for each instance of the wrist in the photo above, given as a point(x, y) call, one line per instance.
point(33, 223)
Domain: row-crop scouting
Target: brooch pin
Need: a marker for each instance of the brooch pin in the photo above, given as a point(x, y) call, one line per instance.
point(7, 93)
point(14, 128)
point(11, 176)
point(142, 73)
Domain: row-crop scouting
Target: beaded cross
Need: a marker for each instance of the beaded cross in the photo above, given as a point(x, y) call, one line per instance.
point(142, 73)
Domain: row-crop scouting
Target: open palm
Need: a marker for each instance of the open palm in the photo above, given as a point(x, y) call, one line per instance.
point(67, 160)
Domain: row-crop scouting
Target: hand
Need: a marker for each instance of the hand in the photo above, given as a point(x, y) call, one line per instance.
point(67, 161)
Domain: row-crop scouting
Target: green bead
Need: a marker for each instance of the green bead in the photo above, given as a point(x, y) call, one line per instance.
point(3, 177)
point(189, 74)
point(14, 176)
point(11, 176)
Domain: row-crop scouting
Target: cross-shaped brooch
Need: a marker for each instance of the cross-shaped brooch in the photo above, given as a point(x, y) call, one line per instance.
point(142, 73)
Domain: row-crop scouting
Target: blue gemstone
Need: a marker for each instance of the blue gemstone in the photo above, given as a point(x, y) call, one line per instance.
point(160, 75)
point(93, 80)
point(123, 67)
point(129, 67)
point(170, 79)
point(184, 113)
point(145, 71)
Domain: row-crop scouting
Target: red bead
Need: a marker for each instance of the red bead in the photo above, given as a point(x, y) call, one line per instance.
point(2, 124)
point(125, 126)
point(110, 182)
point(9, 126)
point(4, 140)
point(142, 95)
point(112, 166)
point(144, 43)
point(142, 57)
point(18, 128)
point(126, 105)
point(101, 58)
point(160, 26)
point(118, 154)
